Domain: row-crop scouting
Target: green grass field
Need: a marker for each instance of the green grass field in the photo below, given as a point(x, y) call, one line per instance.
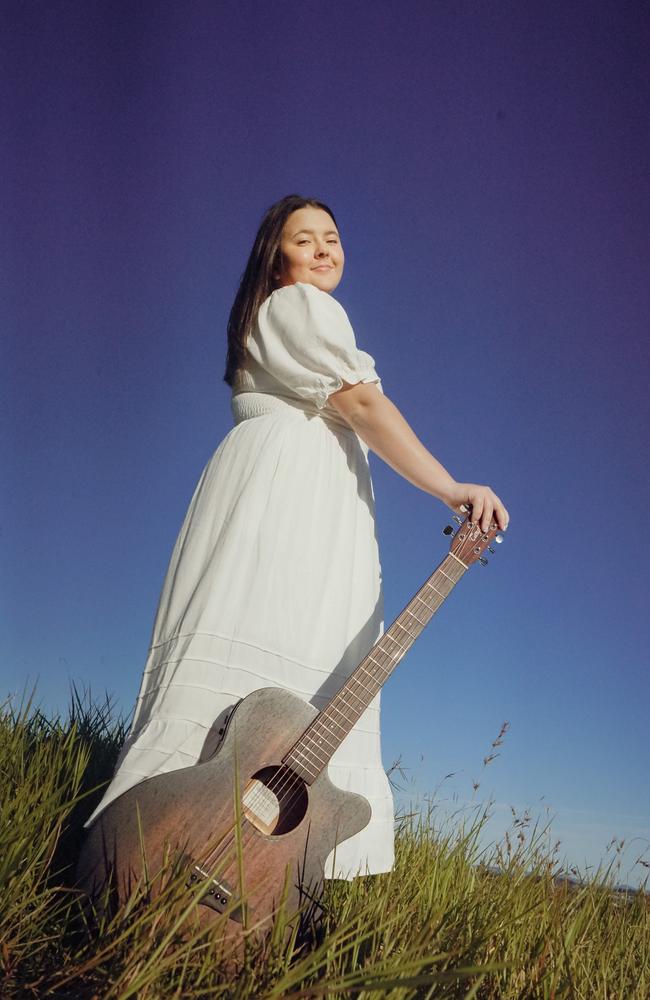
point(441, 924)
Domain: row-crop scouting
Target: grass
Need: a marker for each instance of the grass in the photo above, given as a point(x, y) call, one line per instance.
point(450, 921)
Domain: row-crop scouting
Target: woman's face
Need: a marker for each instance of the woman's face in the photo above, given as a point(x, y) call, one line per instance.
point(311, 250)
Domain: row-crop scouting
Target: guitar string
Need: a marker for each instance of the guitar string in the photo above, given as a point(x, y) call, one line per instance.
point(286, 779)
point(313, 743)
point(337, 714)
point(289, 789)
point(430, 610)
point(292, 785)
point(286, 784)
point(292, 779)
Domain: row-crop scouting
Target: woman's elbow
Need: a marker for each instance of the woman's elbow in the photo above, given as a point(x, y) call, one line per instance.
point(352, 401)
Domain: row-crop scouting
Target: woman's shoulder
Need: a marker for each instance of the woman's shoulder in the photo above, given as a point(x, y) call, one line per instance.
point(291, 312)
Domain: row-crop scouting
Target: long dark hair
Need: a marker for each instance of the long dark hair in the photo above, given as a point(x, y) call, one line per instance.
point(258, 282)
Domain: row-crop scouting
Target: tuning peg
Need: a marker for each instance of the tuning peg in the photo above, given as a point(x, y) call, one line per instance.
point(498, 539)
point(482, 561)
point(457, 519)
point(448, 530)
point(490, 549)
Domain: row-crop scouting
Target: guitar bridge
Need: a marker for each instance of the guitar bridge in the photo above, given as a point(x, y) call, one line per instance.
point(218, 897)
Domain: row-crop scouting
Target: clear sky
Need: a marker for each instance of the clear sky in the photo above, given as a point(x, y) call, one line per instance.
point(487, 164)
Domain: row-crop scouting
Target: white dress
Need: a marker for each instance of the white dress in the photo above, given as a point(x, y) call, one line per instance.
point(274, 579)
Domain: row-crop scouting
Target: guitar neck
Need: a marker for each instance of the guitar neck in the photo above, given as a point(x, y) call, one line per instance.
point(311, 754)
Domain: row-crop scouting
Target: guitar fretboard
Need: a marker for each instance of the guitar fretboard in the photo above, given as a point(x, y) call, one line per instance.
point(312, 752)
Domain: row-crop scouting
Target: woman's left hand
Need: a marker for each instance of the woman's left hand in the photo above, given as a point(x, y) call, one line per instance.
point(484, 502)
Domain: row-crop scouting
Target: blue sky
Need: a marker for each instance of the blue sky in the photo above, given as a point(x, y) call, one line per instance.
point(487, 165)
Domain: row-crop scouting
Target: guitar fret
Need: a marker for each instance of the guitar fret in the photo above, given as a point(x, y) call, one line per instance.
point(301, 769)
point(381, 651)
point(369, 691)
point(340, 723)
point(342, 713)
point(404, 629)
point(321, 738)
point(424, 605)
point(418, 620)
point(303, 753)
point(371, 657)
point(438, 599)
point(357, 680)
point(376, 681)
point(300, 773)
point(390, 638)
point(353, 681)
point(336, 705)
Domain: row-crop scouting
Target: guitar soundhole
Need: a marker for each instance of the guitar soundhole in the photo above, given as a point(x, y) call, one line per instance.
point(275, 800)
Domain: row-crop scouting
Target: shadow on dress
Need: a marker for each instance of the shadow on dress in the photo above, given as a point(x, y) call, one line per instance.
point(364, 640)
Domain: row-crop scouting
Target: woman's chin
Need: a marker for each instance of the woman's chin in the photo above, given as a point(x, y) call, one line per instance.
point(325, 280)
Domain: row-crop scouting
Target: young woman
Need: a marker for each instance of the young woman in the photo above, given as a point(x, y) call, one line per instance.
point(275, 576)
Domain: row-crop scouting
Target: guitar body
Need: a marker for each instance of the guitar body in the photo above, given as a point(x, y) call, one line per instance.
point(192, 812)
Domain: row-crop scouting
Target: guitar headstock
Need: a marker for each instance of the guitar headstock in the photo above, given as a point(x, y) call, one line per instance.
point(470, 542)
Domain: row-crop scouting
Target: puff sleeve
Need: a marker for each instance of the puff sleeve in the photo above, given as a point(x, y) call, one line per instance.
point(303, 338)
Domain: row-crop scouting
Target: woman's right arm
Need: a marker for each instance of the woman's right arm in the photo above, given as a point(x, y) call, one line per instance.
point(380, 424)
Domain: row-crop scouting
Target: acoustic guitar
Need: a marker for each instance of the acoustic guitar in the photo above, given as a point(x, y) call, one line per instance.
point(253, 826)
